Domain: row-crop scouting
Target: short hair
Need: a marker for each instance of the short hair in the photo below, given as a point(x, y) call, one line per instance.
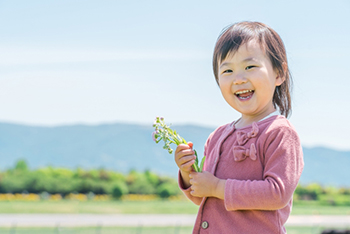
point(235, 35)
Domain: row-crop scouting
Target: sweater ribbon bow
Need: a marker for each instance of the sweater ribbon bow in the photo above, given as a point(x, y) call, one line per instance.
point(243, 137)
point(240, 153)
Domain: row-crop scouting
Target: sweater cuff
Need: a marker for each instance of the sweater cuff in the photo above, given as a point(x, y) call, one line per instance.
point(229, 196)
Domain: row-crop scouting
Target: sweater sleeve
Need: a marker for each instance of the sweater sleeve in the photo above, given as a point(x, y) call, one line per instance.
point(283, 166)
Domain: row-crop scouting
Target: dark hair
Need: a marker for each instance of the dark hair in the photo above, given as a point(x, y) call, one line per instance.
point(235, 35)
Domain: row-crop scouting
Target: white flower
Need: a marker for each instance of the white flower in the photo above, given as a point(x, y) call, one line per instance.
point(162, 131)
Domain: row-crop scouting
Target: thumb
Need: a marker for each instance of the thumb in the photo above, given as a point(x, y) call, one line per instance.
point(190, 144)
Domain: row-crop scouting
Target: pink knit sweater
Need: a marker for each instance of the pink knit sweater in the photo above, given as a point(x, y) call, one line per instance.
point(262, 164)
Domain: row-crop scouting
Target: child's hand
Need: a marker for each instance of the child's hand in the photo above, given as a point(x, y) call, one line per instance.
point(184, 157)
point(205, 184)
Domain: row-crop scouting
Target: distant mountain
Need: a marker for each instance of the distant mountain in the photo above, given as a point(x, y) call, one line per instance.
point(112, 146)
point(123, 147)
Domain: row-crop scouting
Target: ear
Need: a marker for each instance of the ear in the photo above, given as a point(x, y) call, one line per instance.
point(280, 78)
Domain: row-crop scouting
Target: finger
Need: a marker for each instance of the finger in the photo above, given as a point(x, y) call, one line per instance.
point(190, 144)
point(184, 153)
point(181, 147)
point(193, 193)
point(186, 159)
point(187, 166)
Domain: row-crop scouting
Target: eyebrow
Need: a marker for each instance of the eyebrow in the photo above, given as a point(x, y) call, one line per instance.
point(249, 59)
point(243, 61)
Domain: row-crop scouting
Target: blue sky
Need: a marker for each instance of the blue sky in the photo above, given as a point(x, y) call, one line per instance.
point(91, 62)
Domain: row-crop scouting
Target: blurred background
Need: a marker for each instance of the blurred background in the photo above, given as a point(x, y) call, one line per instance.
point(82, 81)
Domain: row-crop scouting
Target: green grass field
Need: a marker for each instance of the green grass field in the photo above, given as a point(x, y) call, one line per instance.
point(99, 207)
point(142, 207)
point(132, 230)
point(138, 207)
point(99, 230)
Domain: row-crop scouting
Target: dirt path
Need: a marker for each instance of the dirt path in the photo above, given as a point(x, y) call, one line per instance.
point(75, 220)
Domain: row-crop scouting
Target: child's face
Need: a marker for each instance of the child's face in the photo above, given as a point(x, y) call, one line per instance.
point(247, 81)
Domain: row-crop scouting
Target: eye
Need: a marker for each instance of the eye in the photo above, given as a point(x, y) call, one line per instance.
point(249, 67)
point(227, 71)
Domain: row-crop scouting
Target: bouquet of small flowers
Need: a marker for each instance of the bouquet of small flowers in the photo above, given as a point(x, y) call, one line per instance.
point(169, 136)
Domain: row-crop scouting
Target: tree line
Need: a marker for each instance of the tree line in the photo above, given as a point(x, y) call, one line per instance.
point(63, 181)
point(20, 179)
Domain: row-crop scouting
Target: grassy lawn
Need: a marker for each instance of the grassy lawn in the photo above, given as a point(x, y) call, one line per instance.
point(99, 230)
point(313, 208)
point(138, 207)
point(133, 230)
point(99, 207)
point(142, 207)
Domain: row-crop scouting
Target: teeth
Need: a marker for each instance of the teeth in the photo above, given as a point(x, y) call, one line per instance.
point(244, 91)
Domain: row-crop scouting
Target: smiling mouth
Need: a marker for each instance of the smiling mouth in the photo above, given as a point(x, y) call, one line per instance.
point(245, 94)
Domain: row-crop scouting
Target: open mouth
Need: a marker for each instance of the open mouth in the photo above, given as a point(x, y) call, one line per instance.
point(245, 94)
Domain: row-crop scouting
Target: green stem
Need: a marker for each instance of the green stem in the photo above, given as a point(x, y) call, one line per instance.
point(195, 167)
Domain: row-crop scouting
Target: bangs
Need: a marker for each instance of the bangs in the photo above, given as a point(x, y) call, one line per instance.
point(232, 38)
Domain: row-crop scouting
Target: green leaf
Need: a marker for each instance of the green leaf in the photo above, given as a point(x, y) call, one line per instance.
point(196, 160)
point(202, 163)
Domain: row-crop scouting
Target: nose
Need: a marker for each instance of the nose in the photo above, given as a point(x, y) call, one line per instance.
point(239, 79)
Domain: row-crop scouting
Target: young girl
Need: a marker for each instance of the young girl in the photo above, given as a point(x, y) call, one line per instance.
point(253, 164)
